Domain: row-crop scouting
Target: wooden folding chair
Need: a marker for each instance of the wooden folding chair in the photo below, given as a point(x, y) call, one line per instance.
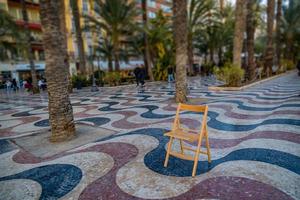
point(190, 135)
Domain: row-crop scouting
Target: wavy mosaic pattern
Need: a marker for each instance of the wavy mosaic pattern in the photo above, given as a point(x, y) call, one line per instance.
point(254, 138)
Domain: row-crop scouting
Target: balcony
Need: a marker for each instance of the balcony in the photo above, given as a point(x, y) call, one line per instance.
point(31, 25)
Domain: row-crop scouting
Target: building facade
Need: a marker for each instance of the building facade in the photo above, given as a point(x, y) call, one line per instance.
point(16, 66)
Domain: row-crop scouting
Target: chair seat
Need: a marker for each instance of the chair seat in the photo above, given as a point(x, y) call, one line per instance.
point(183, 135)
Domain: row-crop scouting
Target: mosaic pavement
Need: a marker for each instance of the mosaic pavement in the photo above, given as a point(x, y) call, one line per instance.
point(254, 137)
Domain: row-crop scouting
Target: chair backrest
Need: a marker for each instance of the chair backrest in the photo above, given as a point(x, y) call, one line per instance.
point(193, 108)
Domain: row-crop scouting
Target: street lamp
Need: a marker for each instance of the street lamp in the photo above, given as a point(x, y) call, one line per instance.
point(94, 87)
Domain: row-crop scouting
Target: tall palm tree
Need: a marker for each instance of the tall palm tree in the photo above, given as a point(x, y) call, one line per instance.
point(250, 30)
point(148, 62)
point(118, 19)
point(290, 29)
point(239, 29)
point(269, 52)
point(199, 16)
point(60, 108)
point(78, 33)
point(180, 38)
point(278, 35)
point(105, 50)
point(29, 51)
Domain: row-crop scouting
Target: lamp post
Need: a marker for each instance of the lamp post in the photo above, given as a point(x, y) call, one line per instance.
point(94, 87)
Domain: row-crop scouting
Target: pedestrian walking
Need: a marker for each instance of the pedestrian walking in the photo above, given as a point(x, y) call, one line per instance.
point(142, 76)
point(14, 85)
point(137, 72)
point(170, 74)
point(8, 85)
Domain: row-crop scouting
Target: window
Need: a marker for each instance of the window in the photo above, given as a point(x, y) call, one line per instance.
point(165, 8)
point(152, 15)
point(16, 13)
point(85, 6)
point(151, 3)
point(34, 16)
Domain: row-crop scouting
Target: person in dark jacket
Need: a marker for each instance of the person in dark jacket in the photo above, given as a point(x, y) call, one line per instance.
point(142, 76)
point(137, 72)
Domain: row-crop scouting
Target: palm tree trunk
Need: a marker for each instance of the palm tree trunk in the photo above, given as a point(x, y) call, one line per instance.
point(64, 30)
point(238, 32)
point(35, 88)
point(148, 63)
point(220, 55)
point(250, 29)
point(117, 61)
point(60, 108)
point(221, 5)
point(110, 64)
point(190, 54)
point(180, 38)
point(278, 24)
point(269, 53)
point(80, 46)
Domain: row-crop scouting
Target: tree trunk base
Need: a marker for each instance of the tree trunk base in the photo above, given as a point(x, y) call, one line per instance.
point(63, 136)
point(35, 90)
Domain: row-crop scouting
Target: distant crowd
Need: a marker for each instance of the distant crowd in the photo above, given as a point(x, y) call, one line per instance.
point(12, 85)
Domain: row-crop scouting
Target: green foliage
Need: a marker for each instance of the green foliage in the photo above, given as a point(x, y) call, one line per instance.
point(9, 30)
point(290, 31)
point(99, 75)
point(287, 65)
point(230, 74)
point(161, 45)
point(160, 72)
point(115, 21)
point(80, 81)
point(207, 68)
point(112, 78)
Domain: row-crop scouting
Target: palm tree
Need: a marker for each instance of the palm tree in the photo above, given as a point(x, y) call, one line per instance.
point(78, 32)
point(180, 38)
point(239, 28)
point(250, 30)
point(278, 35)
point(147, 59)
point(29, 51)
point(290, 29)
point(105, 50)
point(199, 16)
point(118, 19)
point(269, 52)
point(60, 108)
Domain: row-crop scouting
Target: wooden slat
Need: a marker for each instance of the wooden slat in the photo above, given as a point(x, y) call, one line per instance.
point(182, 156)
point(182, 135)
point(193, 108)
point(194, 150)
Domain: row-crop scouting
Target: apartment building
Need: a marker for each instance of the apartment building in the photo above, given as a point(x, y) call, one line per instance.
point(17, 67)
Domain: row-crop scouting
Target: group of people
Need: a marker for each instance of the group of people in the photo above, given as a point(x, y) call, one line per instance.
point(11, 85)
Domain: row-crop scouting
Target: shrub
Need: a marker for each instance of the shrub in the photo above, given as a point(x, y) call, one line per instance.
point(160, 72)
point(207, 69)
point(287, 65)
point(99, 75)
point(112, 78)
point(230, 74)
point(79, 81)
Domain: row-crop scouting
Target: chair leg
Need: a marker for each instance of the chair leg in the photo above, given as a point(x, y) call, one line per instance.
point(207, 147)
point(195, 163)
point(168, 152)
point(181, 146)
